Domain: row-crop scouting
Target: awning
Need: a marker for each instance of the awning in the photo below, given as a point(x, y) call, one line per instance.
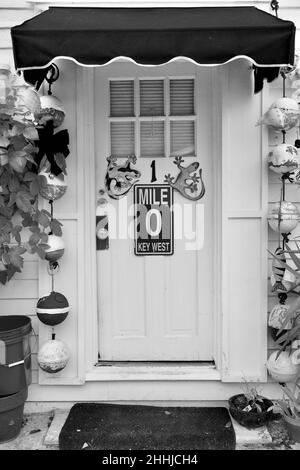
point(155, 36)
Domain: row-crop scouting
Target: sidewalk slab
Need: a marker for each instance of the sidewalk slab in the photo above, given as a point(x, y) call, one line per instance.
point(51, 439)
point(244, 436)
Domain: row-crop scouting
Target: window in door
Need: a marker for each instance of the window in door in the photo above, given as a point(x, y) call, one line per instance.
point(152, 118)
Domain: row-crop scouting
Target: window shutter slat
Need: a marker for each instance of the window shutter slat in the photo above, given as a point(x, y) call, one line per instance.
point(121, 98)
point(152, 139)
point(151, 97)
point(182, 97)
point(122, 139)
point(182, 138)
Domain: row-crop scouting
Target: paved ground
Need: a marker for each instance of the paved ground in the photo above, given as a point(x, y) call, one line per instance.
point(36, 426)
point(33, 432)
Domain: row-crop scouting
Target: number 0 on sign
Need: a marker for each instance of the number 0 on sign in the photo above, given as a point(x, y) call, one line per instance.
point(153, 212)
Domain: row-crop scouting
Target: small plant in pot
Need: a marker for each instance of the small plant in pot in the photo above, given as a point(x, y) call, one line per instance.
point(285, 319)
point(289, 408)
point(250, 409)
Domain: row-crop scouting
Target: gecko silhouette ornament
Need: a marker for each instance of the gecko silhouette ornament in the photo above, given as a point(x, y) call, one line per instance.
point(119, 179)
point(186, 182)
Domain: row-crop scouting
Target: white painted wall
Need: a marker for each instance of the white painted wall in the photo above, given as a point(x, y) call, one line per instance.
point(20, 296)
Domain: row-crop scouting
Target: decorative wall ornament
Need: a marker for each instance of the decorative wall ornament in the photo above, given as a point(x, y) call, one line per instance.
point(278, 271)
point(294, 176)
point(51, 109)
point(120, 178)
point(52, 309)
point(56, 248)
point(187, 181)
point(283, 159)
point(53, 149)
point(278, 316)
point(281, 367)
point(283, 217)
point(53, 356)
point(282, 115)
point(52, 187)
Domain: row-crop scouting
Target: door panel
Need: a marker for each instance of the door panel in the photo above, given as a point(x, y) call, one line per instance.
point(157, 308)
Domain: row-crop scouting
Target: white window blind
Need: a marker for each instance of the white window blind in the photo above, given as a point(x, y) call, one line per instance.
point(170, 132)
point(151, 97)
point(182, 97)
point(121, 98)
point(122, 139)
point(152, 139)
point(182, 138)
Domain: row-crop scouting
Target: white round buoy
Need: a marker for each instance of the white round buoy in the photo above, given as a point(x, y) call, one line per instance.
point(283, 159)
point(282, 368)
point(53, 356)
point(283, 217)
point(56, 250)
point(52, 187)
point(51, 108)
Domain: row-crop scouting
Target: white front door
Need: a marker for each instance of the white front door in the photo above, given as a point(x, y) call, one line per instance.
point(156, 308)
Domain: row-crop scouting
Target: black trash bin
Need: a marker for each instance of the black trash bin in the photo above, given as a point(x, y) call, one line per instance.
point(15, 353)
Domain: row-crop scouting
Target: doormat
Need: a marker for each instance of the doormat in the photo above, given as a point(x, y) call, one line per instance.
point(99, 426)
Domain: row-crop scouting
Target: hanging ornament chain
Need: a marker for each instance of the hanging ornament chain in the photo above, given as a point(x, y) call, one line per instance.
point(53, 266)
point(275, 6)
point(51, 77)
point(285, 236)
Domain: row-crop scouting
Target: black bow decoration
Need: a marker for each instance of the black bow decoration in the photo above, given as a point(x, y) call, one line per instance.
point(51, 144)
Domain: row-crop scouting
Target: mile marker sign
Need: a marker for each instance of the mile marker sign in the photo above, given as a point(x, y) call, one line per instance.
point(153, 212)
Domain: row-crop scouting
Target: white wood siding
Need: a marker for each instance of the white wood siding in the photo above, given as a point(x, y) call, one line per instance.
point(20, 295)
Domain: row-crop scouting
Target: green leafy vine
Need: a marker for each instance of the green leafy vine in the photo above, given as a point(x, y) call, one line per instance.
point(23, 226)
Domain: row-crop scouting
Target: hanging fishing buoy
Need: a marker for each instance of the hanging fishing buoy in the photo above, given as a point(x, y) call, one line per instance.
point(278, 315)
point(281, 368)
point(56, 248)
point(51, 109)
point(53, 356)
point(283, 159)
point(52, 309)
point(283, 217)
point(283, 114)
point(52, 187)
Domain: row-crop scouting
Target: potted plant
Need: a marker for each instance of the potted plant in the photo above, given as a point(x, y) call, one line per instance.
point(289, 408)
point(289, 324)
point(250, 409)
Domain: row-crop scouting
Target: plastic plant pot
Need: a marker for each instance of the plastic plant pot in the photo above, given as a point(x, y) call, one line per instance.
point(249, 419)
point(293, 427)
point(11, 414)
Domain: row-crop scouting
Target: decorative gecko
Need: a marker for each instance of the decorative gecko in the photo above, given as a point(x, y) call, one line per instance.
point(120, 178)
point(181, 183)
